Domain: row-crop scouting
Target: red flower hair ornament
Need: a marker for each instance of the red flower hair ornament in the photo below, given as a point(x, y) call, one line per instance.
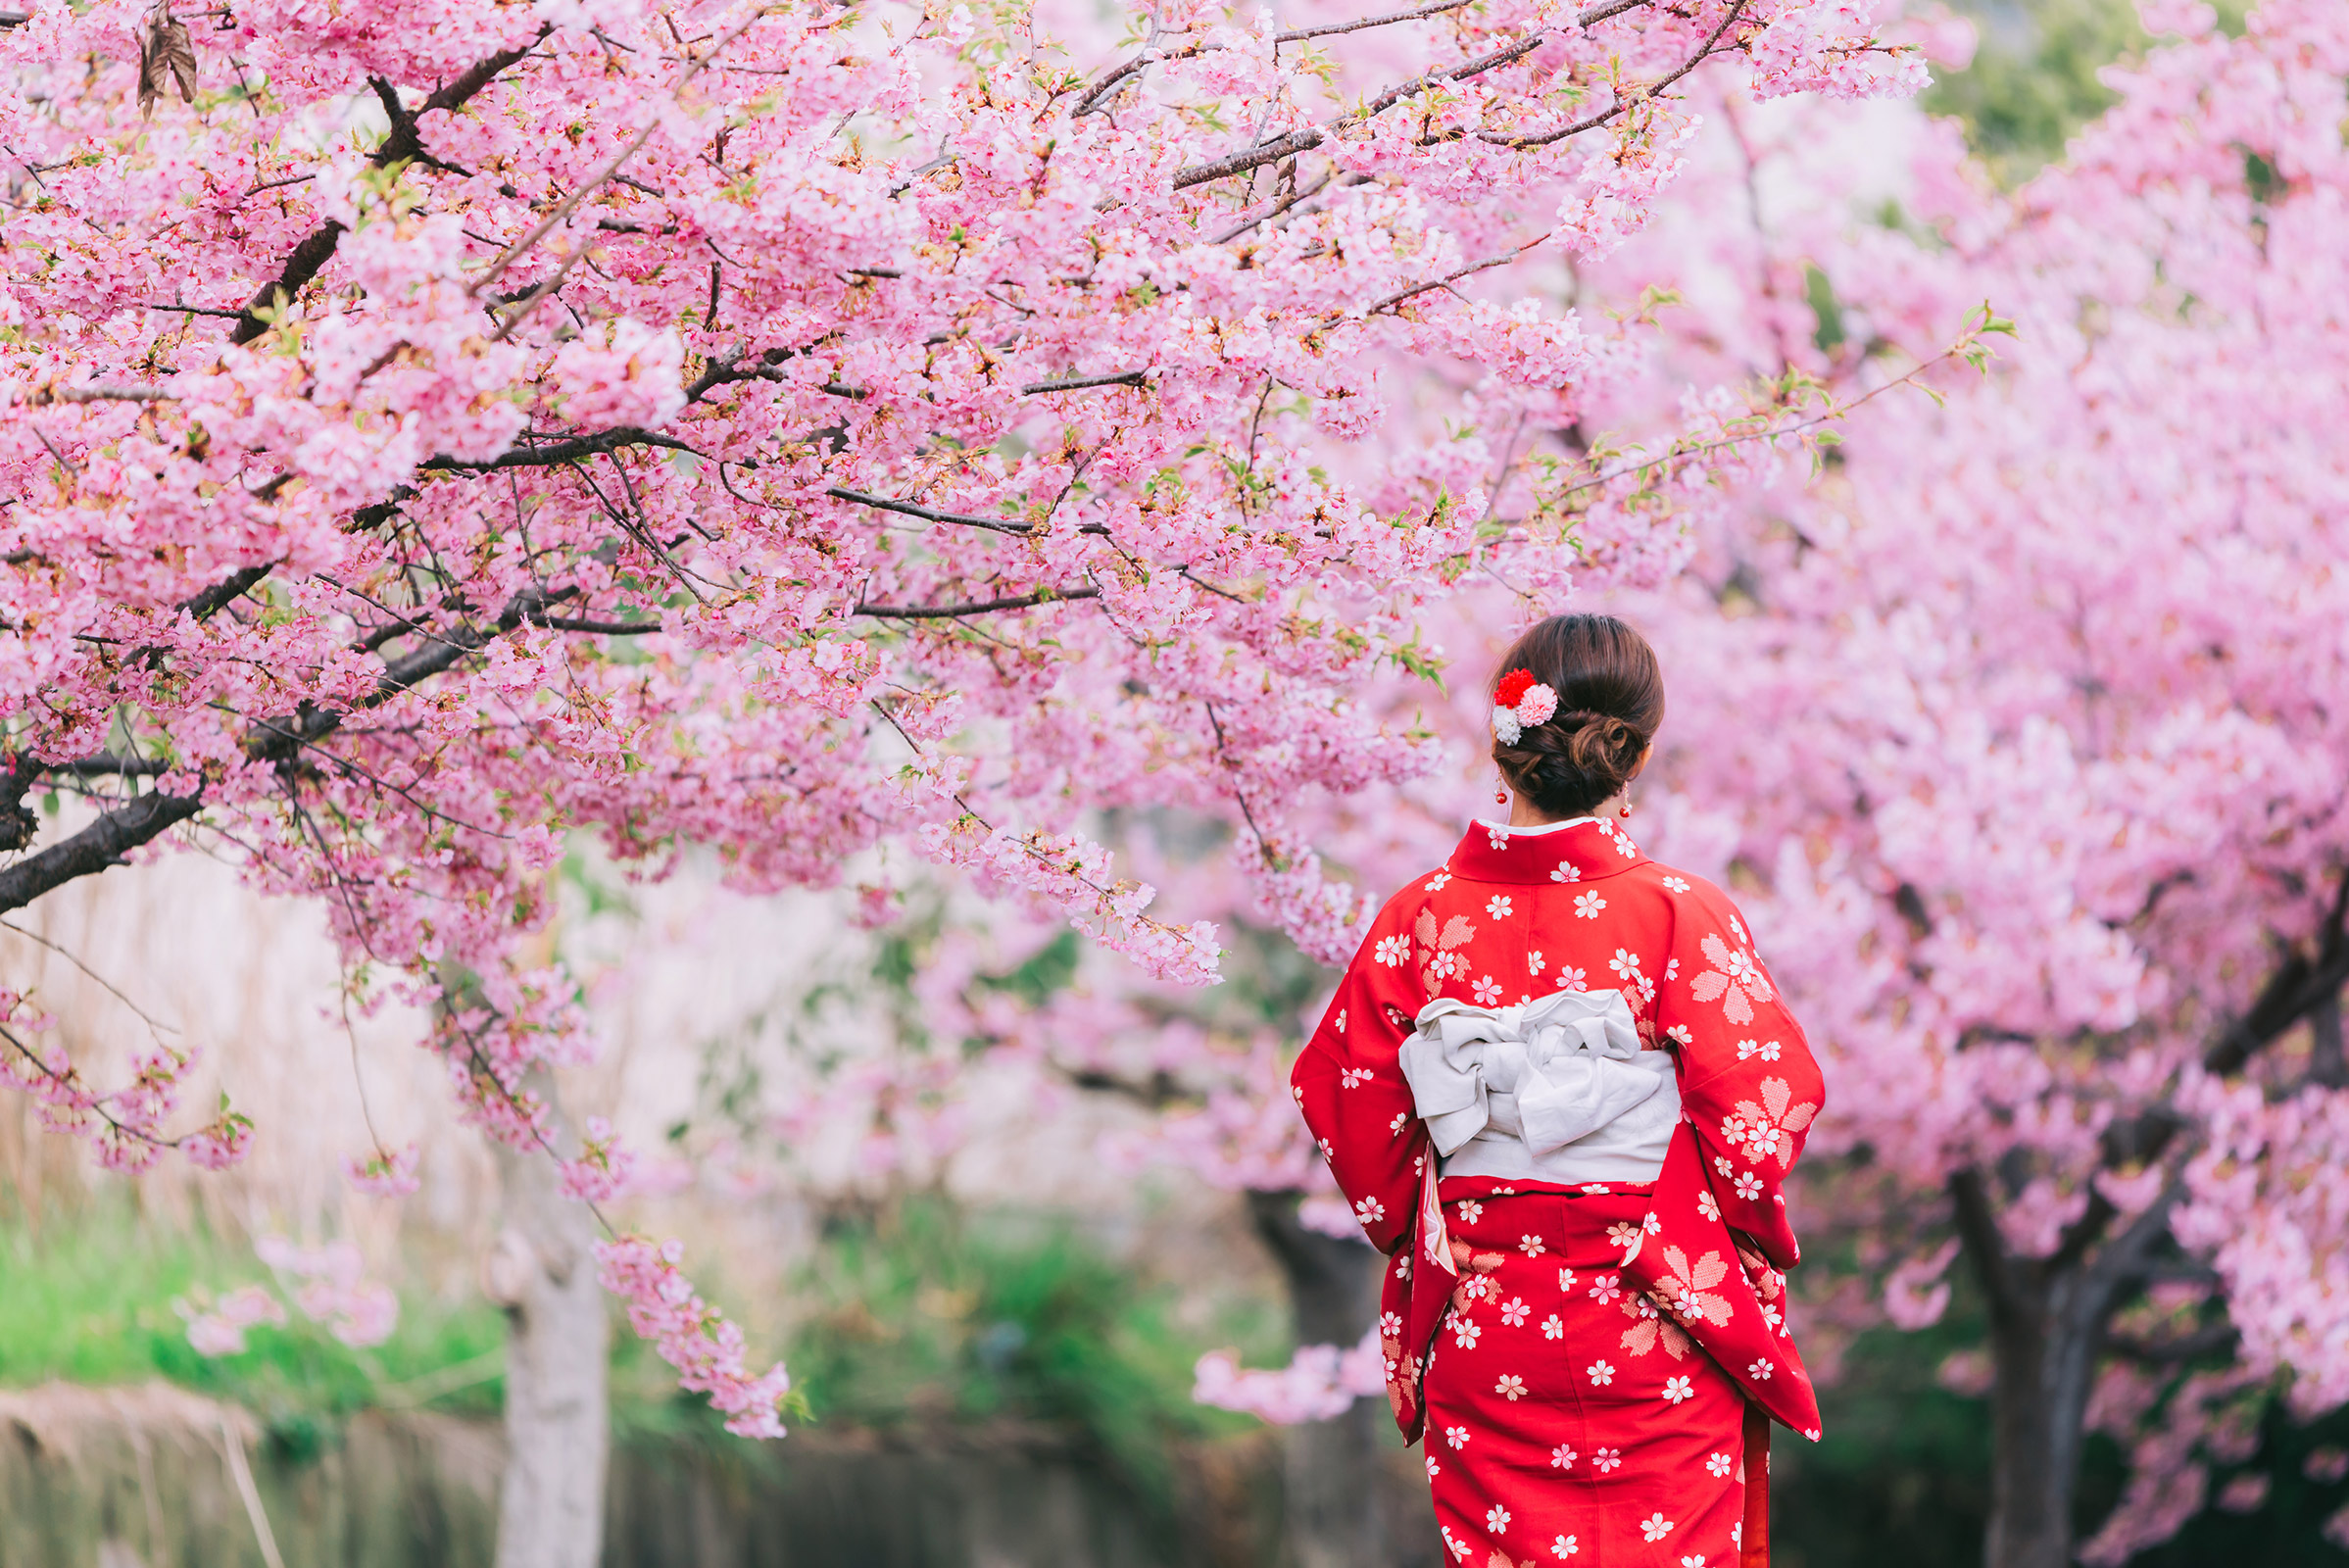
point(1519, 702)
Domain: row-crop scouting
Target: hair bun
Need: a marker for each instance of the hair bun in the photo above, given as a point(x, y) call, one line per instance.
point(1599, 743)
point(1611, 702)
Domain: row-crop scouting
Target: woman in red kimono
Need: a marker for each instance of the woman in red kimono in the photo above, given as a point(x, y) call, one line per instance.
point(1560, 1088)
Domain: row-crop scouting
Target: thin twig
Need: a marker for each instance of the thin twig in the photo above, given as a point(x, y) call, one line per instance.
point(154, 1026)
point(982, 607)
point(1638, 96)
point(612, 166)
point(1311, 136)
point(1077, 383)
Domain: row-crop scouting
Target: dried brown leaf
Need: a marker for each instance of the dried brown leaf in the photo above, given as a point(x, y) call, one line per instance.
point(166, 57)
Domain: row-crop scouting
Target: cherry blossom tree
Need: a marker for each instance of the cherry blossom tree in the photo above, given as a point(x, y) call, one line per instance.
point(827, 435)
point(2024, 731)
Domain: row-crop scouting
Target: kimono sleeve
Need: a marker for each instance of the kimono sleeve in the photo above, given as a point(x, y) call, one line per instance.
point(1352, 1090)
point(1749, 1086)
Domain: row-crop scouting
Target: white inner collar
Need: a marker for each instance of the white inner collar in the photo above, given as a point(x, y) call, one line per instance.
point(1537, 832)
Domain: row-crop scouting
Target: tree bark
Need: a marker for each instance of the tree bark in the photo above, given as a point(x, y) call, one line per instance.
point(2327, 1063)
point(542, 1272)
point(2045, 1343)
point(1332, 1470)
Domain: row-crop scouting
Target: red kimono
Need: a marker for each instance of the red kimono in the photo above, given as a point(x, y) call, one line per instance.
point(1587, 1361)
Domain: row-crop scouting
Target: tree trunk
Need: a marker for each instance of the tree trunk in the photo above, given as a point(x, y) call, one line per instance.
point(543, 1273)
point(2044, 1343)
point(2327, 1063)
point(1332, 1468)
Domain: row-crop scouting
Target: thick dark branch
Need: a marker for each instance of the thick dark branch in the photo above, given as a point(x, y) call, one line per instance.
point(2327, 1064)
point(984, 607)
point(137, 822)
point(228, 591)
point(2213, 1338)
point(18, 824)
point(599, 628)
point(2299, 986)
point(912, 508)
point(2126, 1264)
point(1983, 1244)
point(727, 371)
point(2142, 1139)
point(2138, 1140)
point(300, 267)
point(458, 92)
point(105, 765)
point(557, 452)
point(2082, 1233)
point(403, 144)
point(1101, 89)
point(1157, 1092)
point(102, 843)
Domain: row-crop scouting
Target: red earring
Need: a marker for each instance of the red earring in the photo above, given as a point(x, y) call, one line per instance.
point(1625, 810)
point(1501, 795)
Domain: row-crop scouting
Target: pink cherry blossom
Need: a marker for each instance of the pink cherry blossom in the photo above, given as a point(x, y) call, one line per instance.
point(808, 436)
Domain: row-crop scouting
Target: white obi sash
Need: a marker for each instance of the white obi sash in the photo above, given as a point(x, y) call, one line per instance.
point(1556, 1090)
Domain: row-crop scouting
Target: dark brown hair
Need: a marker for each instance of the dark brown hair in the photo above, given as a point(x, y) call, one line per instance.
point(1611, 705)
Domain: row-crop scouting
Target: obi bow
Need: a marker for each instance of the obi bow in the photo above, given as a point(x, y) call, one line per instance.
point(1547, 1072)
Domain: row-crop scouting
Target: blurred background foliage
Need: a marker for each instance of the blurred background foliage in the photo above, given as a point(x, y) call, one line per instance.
point(929, 1325)
point(918, 1321)
point(2035, 74)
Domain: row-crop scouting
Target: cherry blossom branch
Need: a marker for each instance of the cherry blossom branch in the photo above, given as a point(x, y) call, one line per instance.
point(319, 246)
point(2212, 1339)
point(109, 841)
point(156, 1028)
point(1309, 137)
point(1096, 94)
point(1638, 96)
point(1076, 384)
point(557, 452)
point(102, 392)
point(912, 508)
point(1328, 29)
point(2298, 987)
point(612, 166)
point(1968, 347)
point(984, 607)
point(1400, 297)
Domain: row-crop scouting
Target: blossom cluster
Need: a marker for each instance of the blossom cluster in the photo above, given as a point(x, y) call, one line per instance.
point(1320, 1381)
point(2011, 720)
point(328, 1282)
point(692, 1336)
point(428, 433)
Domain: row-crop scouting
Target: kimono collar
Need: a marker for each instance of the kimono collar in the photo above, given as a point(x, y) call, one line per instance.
point(1582, 850)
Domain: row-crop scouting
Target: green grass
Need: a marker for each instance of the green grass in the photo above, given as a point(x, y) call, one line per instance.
point(2022, 99)
point(919, 1318)
point(88, 1298)
point(926, 1317)
point(2031, 87)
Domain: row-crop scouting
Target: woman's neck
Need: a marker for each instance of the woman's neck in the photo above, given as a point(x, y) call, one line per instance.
point(1523, 813)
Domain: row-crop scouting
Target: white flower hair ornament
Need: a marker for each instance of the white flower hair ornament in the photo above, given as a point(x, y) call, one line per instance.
point(1519, 702)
